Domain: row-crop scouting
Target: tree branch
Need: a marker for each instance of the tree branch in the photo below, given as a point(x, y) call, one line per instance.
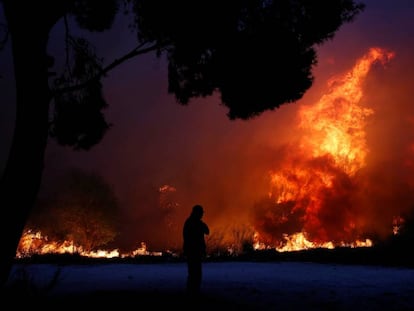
point(139, 50)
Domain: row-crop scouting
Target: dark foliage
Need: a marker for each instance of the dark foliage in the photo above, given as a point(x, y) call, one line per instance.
point(95, 15)
point(78, 120)
point(257, 54)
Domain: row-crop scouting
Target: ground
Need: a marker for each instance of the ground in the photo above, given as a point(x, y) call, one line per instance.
point(226, 286)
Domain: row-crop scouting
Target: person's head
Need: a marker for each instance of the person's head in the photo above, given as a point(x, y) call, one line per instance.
point(197, 211)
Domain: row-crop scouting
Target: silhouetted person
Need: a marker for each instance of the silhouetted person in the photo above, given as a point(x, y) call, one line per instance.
point(194, 247)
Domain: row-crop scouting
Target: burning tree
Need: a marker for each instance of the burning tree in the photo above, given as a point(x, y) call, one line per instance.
point(313, 191)
point(83, 210)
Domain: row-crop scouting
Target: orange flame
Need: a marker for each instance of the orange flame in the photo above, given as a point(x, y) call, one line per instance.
point(310, 203)
point(336, 124)
point(33, 242)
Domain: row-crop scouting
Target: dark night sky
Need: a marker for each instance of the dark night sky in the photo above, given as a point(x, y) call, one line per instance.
point(209, 159)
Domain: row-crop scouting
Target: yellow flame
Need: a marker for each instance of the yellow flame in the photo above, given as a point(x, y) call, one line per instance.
point(336, 124)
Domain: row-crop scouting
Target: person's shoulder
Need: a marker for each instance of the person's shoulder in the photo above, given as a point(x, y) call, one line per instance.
point(187, 222)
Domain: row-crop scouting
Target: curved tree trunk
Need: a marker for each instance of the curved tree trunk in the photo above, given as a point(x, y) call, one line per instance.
point(29, 28)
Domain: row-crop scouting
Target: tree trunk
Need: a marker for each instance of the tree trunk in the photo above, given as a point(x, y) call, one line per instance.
point(29, 28)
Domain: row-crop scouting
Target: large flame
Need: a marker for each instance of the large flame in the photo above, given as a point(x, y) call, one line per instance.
point(309, 202)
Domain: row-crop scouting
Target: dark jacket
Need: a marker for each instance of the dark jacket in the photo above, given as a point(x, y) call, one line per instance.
point(193, 234)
